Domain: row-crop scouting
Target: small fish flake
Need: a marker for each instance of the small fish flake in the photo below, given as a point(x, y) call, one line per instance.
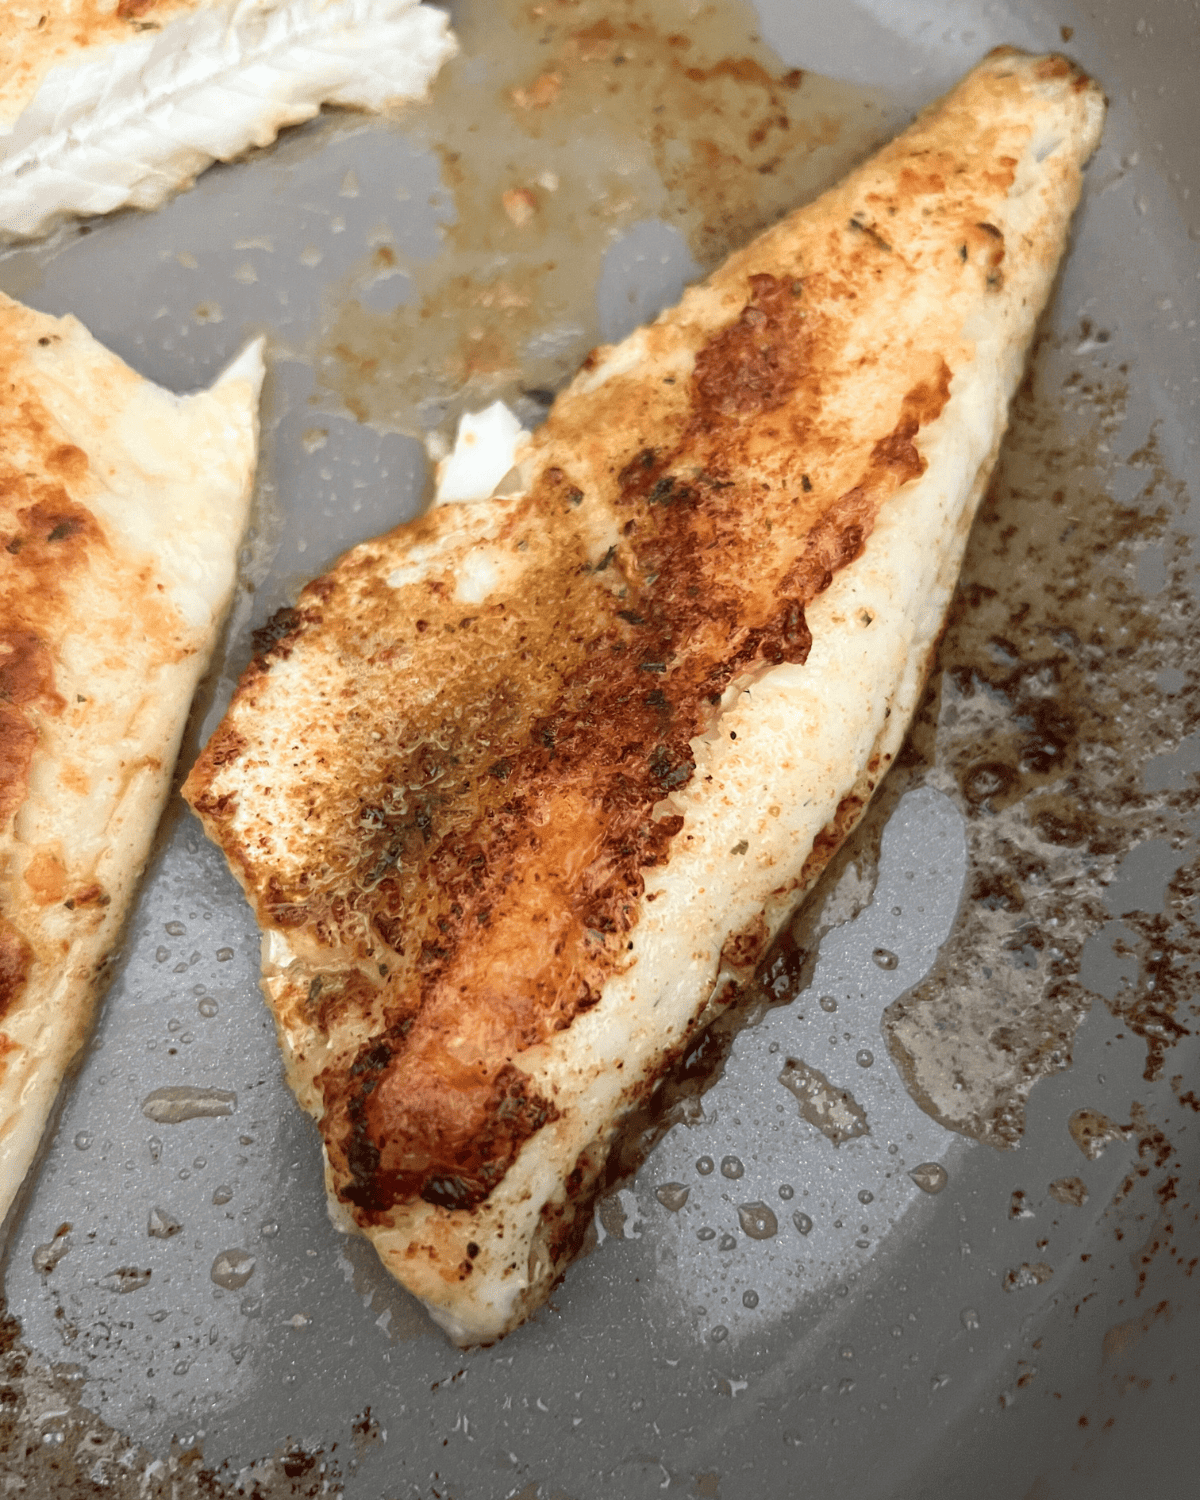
point(1027, 1274)
point(126, 1279)
point(1071, 1191)
point(46, 1257)
point(1091, 1131)
point(835, 1112)
point(176, 1103)
point(160, 1225)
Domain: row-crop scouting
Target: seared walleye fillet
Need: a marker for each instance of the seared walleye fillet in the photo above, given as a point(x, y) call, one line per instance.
point(121, 510)
point(521, 792)
point(111, 102)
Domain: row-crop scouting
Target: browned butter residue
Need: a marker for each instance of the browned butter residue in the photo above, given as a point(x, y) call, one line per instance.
point(1064, 685)
point(559, 126)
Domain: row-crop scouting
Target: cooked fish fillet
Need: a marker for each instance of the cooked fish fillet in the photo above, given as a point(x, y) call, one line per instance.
point(121, 511)
point(105, 103)
point(521, 792)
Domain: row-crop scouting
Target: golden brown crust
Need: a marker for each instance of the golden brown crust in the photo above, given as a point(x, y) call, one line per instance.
point(16, 957)
point(38, 34)
point(482, 784)
point(120, 509)
point(497, 859)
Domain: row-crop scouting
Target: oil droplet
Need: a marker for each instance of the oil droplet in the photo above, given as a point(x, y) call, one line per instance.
point(786, 1191)
point(930, 1176)
point(866, 1196)
point(155, 1147)
point(885, 958)
point(161, 954)
point(251, 1307)
point(727, 1242)
point(83, 1140)
point(125, 1279)
point(208, 1007)
point(749, 1299)
point(269, 1230)
point(173, 1105)
point(175, 929)
point(731, 1166)
point(802, 1222)
point(224, 955)
point(174, 1025)
point(704, 1165)
point(222, 1194)
point(46, 1257)
point(758, 1220)
point(199, 1163)
point(232, 1269)
point(706, 1233)
point(969, 1318)
point(672, 1195)
point(719, 1333)
point(238, 1353)
point(160, 1225)
point(827, 1002)
point(181, 1367)
point(864, 1058)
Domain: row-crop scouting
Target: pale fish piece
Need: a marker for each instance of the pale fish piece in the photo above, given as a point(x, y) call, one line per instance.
point(522, 791)
point(122, 508)
point(485, 452)
point(130, 103)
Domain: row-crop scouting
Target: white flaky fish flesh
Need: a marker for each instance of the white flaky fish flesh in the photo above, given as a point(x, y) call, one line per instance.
point(107, 103)
point(522, 791)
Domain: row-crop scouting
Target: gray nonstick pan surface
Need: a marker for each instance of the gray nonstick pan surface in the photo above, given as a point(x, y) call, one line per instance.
point(989, 1289)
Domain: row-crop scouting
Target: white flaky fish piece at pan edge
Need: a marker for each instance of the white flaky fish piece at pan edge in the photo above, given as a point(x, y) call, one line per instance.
point(122, 508)
point(522, 791)
point(133, 101)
